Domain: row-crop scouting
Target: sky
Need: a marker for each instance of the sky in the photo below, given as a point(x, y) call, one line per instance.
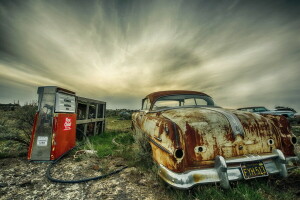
point(242, 53)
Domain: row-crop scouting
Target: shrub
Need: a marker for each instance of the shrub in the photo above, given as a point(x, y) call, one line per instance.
point(16, 125)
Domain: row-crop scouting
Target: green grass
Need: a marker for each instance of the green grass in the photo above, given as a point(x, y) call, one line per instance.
point(115, 140)
point(118, 141)
point(297, 171)
point(258, 189)
point(105, 146)
point(296, 130)
point(10, 149)
point(113, 124)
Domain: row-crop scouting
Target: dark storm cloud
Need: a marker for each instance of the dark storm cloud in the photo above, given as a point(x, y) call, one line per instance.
point(242, 53)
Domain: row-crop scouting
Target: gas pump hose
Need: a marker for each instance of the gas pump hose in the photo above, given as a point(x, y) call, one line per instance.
point(48, 173)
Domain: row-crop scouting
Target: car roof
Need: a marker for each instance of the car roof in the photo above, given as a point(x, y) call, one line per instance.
point(155, 95)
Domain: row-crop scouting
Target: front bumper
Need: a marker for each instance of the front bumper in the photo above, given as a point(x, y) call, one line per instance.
point(226, 170)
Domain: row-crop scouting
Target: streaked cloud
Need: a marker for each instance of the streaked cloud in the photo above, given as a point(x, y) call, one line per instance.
point(242, 53)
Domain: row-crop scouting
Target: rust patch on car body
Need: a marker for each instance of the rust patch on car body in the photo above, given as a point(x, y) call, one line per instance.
point(197, 178)
point(186, 128)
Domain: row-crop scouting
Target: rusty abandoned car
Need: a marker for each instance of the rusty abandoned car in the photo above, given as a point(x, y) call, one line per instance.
point(193, 141)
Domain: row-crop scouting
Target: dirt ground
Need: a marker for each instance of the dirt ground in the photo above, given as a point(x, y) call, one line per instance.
point(20, 179)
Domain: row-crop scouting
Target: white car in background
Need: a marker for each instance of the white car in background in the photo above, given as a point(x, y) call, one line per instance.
point(263, 110)
point(297, 118)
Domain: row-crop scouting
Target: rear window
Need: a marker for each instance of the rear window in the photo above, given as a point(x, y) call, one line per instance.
point(181, 101)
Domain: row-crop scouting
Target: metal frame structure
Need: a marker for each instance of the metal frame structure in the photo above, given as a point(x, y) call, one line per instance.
point(90, 116)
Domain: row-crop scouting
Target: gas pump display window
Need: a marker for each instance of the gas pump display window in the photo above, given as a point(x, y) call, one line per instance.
point(65, 103)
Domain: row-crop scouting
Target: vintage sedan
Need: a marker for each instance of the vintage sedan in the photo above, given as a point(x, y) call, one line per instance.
point(193, 141)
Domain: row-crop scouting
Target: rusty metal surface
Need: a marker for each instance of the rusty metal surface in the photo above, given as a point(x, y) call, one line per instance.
point(201, 134)
point(155, 95)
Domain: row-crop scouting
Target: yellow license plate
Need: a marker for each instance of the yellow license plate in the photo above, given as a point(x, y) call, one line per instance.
point(253, 170)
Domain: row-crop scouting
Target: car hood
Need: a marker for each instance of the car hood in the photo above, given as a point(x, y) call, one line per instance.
point(224, 132)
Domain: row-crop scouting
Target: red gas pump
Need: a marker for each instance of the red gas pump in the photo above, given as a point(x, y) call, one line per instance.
point(54, 130)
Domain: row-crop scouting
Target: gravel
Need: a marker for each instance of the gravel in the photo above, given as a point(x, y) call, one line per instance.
point(21, 179)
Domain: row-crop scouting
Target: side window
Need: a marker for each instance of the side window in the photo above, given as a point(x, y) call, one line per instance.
point(146, 104)
point(189, 102)
point(201, 102)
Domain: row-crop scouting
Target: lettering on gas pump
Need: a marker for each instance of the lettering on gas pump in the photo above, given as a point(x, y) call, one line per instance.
point(67, 124)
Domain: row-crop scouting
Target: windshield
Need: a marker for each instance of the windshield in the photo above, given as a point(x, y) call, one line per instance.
point(181, 101)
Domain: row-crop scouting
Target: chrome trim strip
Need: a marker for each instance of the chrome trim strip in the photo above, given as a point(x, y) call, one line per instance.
point(249, 158)
point(159, 146)
point(235, 123)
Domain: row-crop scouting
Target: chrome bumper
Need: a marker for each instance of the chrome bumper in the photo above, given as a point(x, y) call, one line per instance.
point(275, 163)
